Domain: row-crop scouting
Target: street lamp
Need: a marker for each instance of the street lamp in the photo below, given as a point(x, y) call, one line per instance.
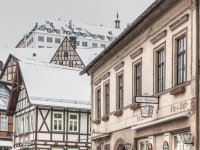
point(9, 135)
point(186, 138)
point(127, 146)
point(146, 111)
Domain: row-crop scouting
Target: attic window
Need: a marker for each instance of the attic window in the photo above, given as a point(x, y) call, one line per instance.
point(77, 34)
point(110, 32)
point(51, 24)
point(66, 54)
point(49, 30)
point(34, 54)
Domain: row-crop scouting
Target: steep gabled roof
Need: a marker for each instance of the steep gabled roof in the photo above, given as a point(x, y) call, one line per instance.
point(53, 85)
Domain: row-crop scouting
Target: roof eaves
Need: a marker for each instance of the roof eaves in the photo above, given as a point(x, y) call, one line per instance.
point(123, 34)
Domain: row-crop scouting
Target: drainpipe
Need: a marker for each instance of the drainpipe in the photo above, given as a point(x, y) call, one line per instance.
point(197, 75)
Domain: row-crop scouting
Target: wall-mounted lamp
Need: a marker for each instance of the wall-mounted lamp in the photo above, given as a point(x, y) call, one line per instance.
point(146, 111)
point(186, 138)
point(127, 146)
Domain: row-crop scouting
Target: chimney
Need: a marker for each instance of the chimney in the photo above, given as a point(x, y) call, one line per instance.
point(34, 54)
point(36, 24)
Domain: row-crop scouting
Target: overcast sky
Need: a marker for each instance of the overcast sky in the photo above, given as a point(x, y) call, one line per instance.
point(19, 16)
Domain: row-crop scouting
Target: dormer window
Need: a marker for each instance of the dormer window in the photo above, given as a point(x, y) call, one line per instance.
point(58, 31)
point(110, 32)
point(103, 37)
point(84, 35)
point(95, 36)
point(51, 24)
point(49, 30)
point(111, 38)
point(68, 32)
point(77, 34)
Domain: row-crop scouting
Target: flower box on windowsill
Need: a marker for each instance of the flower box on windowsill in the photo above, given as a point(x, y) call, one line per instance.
point(118, 113)
point(135, 106)
point(105, 118)
point(178, 90)
point(97, 121)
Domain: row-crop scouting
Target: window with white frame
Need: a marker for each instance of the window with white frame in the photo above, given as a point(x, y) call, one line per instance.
point(40, 46)
point(57, 40)
point(57, 121)
point(24, 122)
point(4, 123)
point(103, 45)
point(77, 43)
point(49, 39)
point(41, 38)
point(73, 122)
point(95, 45)
point(84, 44)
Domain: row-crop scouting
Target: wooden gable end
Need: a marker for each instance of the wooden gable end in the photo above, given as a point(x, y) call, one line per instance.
point(9, 69)
point(67, 56)
point(18, 100)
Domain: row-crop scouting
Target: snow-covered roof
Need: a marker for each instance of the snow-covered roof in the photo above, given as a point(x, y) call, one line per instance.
point(4, 143)
point(64, 26)
point(54, 85)
point(88, 54)
point(42, 54)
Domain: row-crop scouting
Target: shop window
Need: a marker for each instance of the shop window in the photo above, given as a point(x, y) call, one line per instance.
point(142, 144)
point(57, 120)
point(178, 143)
point(73, 122)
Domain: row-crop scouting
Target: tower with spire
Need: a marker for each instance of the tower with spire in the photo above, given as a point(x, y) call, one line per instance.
point(117, 22)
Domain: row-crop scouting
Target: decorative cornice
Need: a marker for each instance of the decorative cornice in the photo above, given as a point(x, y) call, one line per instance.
point(105, 76)
point(179, 22)
point(97, 82)
point(118, 66)
point(136, 53)
point(158, 37)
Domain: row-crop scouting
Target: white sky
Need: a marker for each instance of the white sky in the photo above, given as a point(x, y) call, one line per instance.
point(19, 16)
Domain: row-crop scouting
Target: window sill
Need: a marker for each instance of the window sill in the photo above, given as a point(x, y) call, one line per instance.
point(97, 121)
point(118, 113)
point(135, 106)
point(178, 90)
point(105, 118)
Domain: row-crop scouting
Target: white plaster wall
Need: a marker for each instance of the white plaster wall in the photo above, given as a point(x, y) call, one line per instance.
point(72, 138)
point(43, 136)
point(83, 123)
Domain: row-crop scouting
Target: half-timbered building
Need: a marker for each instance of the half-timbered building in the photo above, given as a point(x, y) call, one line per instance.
point(6, 122)
point(50, 105)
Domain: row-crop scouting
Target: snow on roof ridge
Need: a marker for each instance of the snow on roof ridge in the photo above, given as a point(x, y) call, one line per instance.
point(41, 63)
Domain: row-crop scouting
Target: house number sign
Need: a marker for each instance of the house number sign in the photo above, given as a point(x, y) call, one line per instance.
point(149, 146)
point(165, 146)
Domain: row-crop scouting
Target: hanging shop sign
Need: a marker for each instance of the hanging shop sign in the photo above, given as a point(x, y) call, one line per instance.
point(146, 99)
point(149, 146)
point(165, 146)
point(146, 111)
